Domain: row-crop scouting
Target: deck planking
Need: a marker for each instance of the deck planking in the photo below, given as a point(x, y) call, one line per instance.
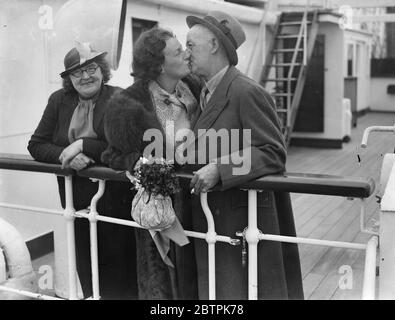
point(336, 218)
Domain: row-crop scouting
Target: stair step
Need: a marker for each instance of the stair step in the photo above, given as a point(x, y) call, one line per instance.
point(293, 23)
point(287, 50)
point(280, 79)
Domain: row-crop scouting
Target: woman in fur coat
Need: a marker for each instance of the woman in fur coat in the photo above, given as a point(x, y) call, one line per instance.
point(165, 97)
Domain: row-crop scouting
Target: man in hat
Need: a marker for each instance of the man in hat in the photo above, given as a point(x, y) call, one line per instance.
point(233, 102)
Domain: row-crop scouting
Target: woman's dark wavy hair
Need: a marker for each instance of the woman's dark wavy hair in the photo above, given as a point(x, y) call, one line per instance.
point(148, 54)
point(105, 70)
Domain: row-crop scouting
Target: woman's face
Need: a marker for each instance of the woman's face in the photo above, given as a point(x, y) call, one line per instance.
point(176, 63)
point(87, 80)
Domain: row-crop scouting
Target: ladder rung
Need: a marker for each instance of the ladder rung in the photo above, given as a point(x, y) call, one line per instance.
point(280, 79)
point(285, 65)
point(287, 50)
point(282, 94)
point(293, 23)
point(290, 36)
point(281, 110)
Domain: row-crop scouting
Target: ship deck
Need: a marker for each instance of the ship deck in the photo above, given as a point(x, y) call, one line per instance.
point(336, 218)
point(333, 218)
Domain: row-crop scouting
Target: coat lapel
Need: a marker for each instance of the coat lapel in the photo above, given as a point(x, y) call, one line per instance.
point(100, 108)
point(69, 103)
point(217, 102)
point(195, 116)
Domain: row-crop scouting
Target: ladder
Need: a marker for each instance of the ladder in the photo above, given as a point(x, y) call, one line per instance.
point(287, 61)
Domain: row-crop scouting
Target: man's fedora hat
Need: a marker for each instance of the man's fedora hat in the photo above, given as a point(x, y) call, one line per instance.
point(228, 30)
point(81, 55)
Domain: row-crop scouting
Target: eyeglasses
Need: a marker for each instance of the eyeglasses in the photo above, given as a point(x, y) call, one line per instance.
point(91, 69)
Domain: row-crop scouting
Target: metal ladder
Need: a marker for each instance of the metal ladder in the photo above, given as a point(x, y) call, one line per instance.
point(286, 66)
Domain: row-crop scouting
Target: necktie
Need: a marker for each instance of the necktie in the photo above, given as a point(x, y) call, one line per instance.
point(203, 96)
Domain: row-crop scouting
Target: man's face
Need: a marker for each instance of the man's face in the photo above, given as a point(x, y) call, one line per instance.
point(199, 49)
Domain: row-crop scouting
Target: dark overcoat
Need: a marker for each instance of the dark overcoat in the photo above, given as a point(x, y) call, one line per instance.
point(240, 103)
point(132, 112)
point(116, 244)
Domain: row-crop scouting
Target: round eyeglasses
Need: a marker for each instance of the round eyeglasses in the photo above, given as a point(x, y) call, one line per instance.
point(91, 69)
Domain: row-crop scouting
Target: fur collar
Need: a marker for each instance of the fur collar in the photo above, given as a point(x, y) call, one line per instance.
point(139, 90)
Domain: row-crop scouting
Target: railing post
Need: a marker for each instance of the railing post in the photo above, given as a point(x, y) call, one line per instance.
point(369, 277)
point(93, 239)
point(211, 240)
point(252, 238)
point(69, 217)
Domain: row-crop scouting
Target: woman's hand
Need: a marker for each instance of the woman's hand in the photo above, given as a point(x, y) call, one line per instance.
point(70, 152)
point(80, 162)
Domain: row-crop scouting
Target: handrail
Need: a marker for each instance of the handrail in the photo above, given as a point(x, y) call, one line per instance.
point(293, 182)
point(354, 187)
point(22, 162)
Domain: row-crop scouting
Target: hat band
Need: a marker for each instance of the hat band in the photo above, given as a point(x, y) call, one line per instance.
point(221, 25)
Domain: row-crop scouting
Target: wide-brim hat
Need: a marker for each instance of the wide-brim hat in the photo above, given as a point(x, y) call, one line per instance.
point(226, 28)
point(81, 55)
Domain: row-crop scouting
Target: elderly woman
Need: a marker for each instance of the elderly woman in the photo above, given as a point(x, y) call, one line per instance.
point(165, 97)
point(71, 133)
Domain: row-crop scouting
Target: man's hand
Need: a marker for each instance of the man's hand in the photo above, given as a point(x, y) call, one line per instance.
point(80, 162)
point(70, 152)
point(205, 178)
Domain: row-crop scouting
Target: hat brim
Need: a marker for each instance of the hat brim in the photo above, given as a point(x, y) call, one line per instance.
point(230, 49)
point(77, 66)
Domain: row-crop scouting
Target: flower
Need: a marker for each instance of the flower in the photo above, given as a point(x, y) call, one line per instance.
point(155, 175)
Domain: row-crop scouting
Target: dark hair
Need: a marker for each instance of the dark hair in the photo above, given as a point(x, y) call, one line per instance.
point(148, 54)
point(105, 70)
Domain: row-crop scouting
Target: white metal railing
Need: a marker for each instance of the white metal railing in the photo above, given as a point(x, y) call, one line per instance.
point(252, 236)
point(387, 219)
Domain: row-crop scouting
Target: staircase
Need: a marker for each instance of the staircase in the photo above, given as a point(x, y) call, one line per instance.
point(287, 61)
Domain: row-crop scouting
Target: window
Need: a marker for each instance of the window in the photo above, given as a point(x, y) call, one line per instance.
point(139, 26)
point(350, 60)
point(358, 59)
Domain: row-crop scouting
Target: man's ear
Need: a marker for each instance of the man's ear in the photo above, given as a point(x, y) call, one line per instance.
point(214, 45)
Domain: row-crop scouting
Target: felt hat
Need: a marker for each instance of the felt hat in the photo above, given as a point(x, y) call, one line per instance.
point(226, 28)
point(81, 55)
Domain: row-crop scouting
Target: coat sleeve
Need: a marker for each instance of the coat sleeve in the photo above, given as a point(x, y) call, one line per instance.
point(264, 152)
point(118, 160)
point(123, 131)
point(40, 145)
point(93, 148)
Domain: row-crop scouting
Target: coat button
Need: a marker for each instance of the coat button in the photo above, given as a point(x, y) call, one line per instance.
point(167, 101)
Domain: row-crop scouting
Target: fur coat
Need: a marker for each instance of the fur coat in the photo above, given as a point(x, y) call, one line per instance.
point(130, 114)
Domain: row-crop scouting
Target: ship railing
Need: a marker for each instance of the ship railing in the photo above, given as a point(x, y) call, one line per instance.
point(349, 187)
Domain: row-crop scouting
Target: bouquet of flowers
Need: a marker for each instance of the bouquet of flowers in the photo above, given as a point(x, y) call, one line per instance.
point(155, 181)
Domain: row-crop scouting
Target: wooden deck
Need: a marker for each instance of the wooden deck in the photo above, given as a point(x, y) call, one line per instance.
point(335, 218)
